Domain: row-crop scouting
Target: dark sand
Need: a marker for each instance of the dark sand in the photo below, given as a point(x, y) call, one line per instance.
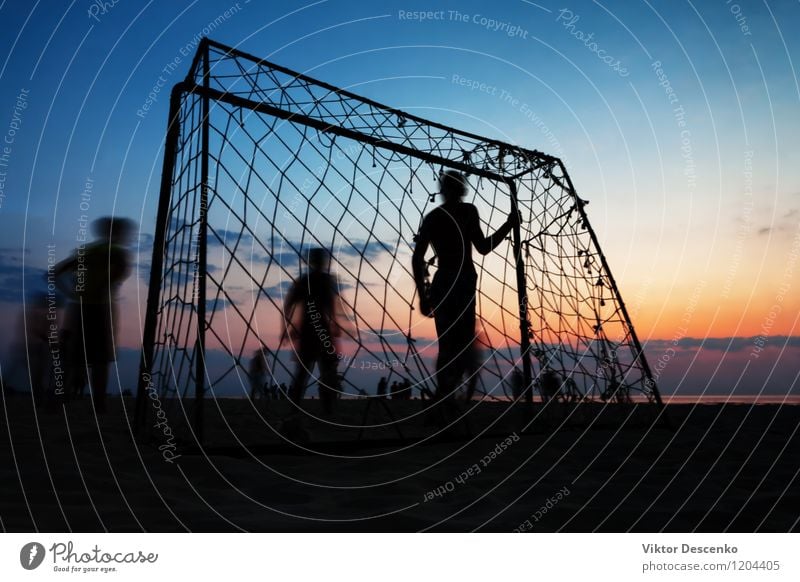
point(718, 468)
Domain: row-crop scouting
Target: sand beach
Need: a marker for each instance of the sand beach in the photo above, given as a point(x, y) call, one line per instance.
point(502, 468)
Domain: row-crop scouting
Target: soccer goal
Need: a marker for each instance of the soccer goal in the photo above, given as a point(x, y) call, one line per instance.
point(262, 164)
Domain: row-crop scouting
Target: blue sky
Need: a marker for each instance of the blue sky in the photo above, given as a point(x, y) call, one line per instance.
point(723, 210)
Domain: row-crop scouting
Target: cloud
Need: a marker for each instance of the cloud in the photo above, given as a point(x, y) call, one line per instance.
point(220, 236)
point(279, 290)
point(14, 251)
point(217, 304)
point(392, 337)
point(14, 278)
point(369, 250)
point(145, 242)
point(726, 344)
point(290, 254)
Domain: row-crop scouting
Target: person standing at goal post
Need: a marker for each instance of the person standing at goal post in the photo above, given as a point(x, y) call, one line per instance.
point(452, 229)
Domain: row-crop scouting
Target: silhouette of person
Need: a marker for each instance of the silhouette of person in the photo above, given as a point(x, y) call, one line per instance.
point(406, 389)
point(91, 278)
point(393, 391)
point(310, 321)
point(382, 387)
point(452, 229)
point(550, 384)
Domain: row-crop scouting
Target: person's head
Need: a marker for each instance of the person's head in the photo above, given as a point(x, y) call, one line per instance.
point(318, 259)
point(114, 229)
point(452, 185)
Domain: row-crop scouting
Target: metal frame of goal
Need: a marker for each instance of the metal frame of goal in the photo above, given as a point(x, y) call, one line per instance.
point(262, 163)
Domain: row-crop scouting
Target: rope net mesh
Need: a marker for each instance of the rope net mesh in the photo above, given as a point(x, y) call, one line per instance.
point(295, 164)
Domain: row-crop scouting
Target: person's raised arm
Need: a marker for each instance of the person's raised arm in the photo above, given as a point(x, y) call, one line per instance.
point(486, 244)
point(418, 267)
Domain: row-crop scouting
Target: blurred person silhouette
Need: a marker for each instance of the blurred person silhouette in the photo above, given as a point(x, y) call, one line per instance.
point(91, 278)
point(382, 387)
point(405, 389)
point(393, 390)
point(311, 323)
point(453, 229)
point(32, 358)
point(549, 384)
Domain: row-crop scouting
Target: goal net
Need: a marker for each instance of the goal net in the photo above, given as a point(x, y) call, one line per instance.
point(262, 164)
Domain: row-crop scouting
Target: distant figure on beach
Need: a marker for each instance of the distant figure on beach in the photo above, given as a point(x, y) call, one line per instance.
point(401, 390)
point(452, 229)
point(406, 389)
point(616, 392)
point(311, 324)
point(382, 387)
point(91, 278)
point(425, 393)
point(258, 374)
point(549, 384)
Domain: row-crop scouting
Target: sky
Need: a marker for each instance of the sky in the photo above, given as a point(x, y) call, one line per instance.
point(678, 121)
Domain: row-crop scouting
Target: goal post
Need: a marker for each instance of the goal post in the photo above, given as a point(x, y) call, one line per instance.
point(262, 163)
